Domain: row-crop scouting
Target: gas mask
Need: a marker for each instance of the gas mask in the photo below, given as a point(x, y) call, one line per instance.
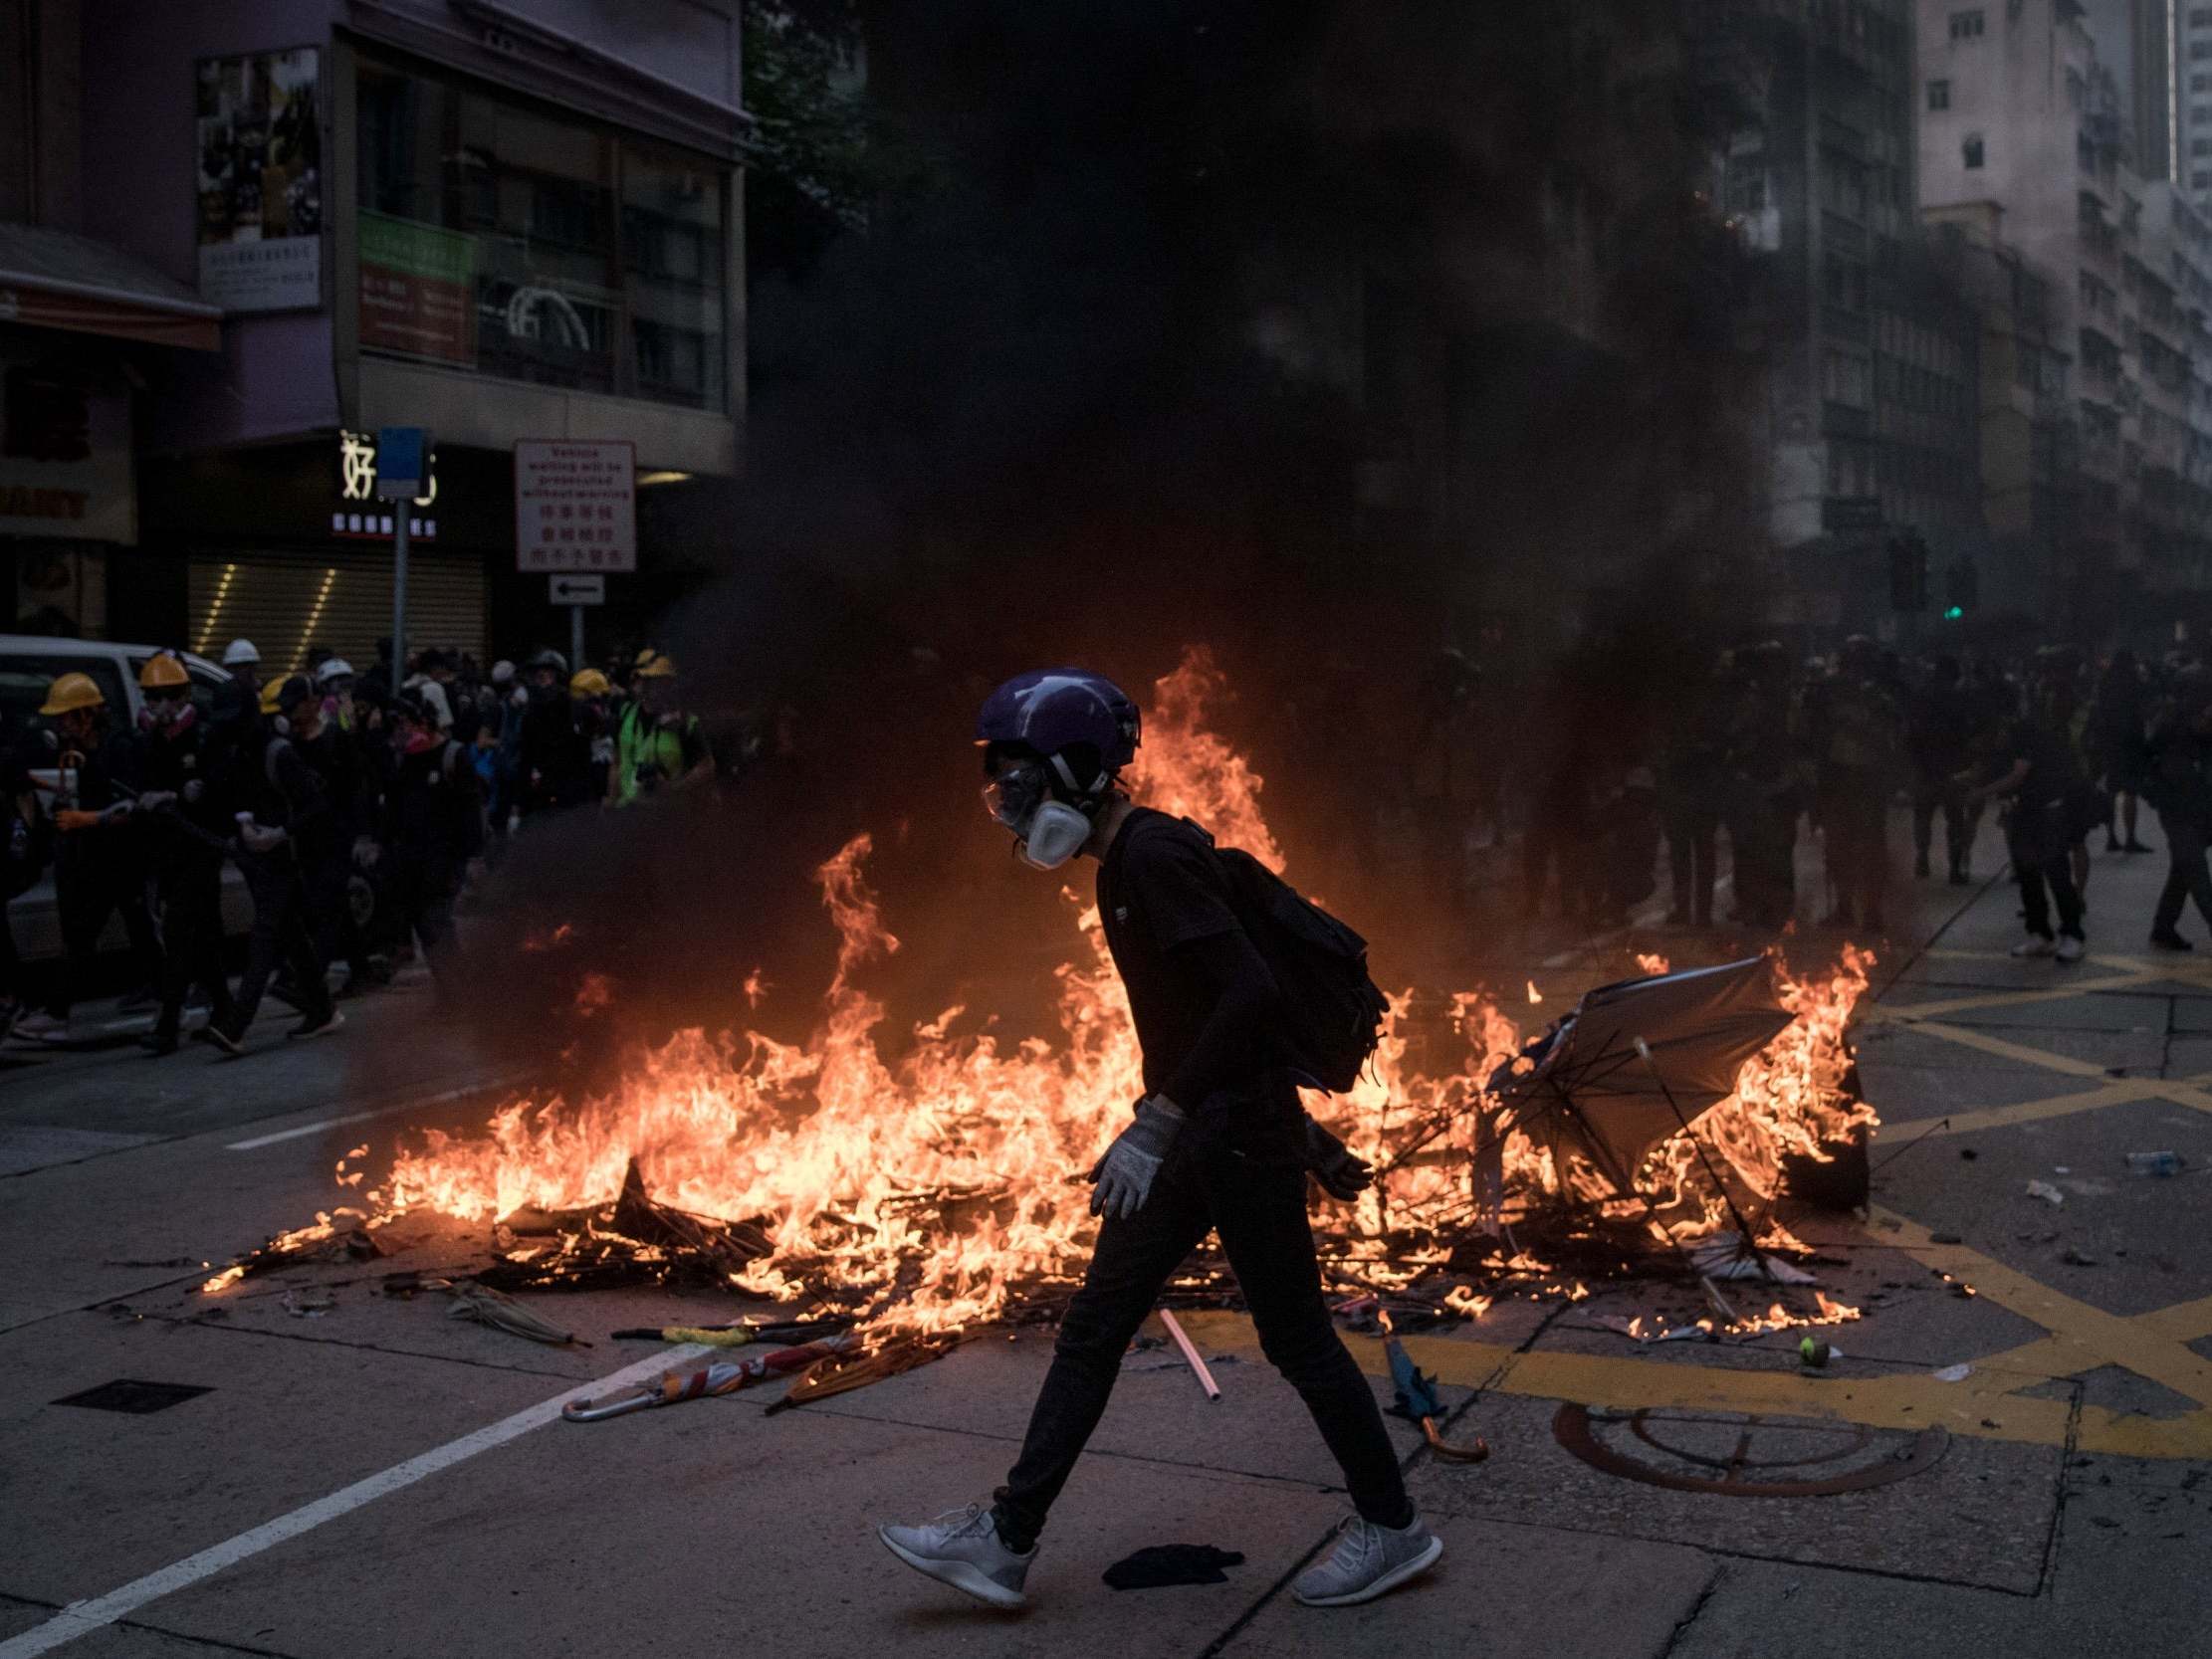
point(1047, 832)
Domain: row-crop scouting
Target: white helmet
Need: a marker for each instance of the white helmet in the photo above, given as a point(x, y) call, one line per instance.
point(240, 651)
point(338, 667)
point(501, 672)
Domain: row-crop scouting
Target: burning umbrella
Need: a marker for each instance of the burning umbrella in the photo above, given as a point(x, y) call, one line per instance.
point(1641, 1060)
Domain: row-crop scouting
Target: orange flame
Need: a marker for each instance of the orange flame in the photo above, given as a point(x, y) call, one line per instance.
point(932, 1191)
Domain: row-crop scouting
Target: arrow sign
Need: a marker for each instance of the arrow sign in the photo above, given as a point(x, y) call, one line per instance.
point(577, 590)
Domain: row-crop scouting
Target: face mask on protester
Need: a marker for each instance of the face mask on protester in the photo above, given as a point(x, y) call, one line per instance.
point(1047, 832)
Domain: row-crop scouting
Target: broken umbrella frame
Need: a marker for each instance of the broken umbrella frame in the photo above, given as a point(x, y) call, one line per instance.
point(1688, 1034)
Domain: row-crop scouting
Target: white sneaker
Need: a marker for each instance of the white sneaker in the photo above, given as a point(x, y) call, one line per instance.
point(2070, 949)
point(42, 1027)
point(2035, 944)
point(1369, 1561)
point(961, 1548)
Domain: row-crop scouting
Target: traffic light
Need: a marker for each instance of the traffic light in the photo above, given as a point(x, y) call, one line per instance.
point(1909, 572)
point(1962, 585)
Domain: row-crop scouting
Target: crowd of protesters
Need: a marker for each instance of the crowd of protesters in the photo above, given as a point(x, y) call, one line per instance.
point(1767, 754)
point(356, 807)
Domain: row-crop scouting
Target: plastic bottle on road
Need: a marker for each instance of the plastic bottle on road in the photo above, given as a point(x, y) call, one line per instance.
point(2155, 1163)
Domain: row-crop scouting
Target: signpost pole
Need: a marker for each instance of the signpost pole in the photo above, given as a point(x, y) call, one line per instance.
point(403, 467)
point(399, 594)
point(575, 639)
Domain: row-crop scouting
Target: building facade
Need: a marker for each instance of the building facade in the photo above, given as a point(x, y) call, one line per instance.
point(1870, 355)
point(498, 221)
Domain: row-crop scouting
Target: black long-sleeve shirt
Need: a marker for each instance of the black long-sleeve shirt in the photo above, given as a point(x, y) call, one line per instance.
point(1206, 1005)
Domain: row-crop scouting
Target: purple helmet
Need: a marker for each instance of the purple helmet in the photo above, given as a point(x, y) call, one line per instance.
point(1056, 709)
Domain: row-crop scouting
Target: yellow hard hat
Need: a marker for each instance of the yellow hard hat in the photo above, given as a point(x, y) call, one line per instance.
point(654, 665)
point(588, 682)
point(162, 670)
point(71, 691)
point(272, 701)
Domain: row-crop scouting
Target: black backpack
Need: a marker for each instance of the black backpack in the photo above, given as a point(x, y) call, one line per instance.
point(1333, 1011)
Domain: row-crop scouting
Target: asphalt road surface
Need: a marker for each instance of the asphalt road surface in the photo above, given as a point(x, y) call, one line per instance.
point(372, 1478)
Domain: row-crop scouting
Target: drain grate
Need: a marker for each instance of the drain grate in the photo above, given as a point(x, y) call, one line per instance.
point(131, 1395)
point(1744, 1456)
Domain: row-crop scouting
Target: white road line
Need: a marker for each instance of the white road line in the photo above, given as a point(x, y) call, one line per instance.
point(81, 1619)
point(408, 1104)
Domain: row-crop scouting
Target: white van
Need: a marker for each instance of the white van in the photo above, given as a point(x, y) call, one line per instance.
point(29, 664)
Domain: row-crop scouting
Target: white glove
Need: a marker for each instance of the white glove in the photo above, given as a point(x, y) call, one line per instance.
point(154, 801)
point(261, 838)
point(1125, 1174)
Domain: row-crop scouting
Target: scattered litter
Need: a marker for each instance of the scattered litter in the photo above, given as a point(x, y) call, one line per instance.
point(1816, 1354)
point(1953, 1373)
point(1726, 1256)
point(2048, 1193)
point(853, 1366)
point(2155, 1163)
point(724, 1377)
point(2077, 1258)
point(2062, 1170)
point(1968, 1153)
point(306, 1302)
point(502, 1313)
point(1417, 1401)
point(1945, 1238)
point(1159, 1565)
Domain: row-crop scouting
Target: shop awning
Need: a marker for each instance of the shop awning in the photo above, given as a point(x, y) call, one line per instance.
point(50, 279)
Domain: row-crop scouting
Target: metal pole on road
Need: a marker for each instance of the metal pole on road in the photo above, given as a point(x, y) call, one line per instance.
point(575, 639)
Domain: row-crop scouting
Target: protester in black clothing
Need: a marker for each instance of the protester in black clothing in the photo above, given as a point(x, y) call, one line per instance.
point(100, 864)
point(433, 826)
point(2117, 735)
point(328, 854)
point(278, 809)
point(1859, 744)
point(186, 826)
point(2175, 782)
point(1940, 739)
point(553, 761)
point(1216, 1145)
point(2041, 779)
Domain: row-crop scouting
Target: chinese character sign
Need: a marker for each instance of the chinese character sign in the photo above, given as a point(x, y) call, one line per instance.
point(575, 506)
point(260, 168)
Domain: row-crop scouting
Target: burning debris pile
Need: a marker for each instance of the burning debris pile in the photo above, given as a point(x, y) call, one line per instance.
point(931, 1193)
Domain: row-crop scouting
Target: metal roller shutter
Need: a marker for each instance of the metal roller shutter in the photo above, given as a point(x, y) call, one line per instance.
point(287, 602)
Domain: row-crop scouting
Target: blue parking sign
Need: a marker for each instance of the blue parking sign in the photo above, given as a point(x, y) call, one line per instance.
point(402, 462)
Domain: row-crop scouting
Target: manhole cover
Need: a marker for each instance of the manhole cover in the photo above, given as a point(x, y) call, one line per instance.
point(1742, 1455)
point(135, 1397)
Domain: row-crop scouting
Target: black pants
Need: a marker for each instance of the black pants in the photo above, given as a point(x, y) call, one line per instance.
point(1960, 822)
point(1855, 816)
point(86, 891)
point(338, 937)
point(424, 904)
point(1692, 828)
point(2186, 874)
point(1259, 1210)
point(192, 943)
point(2041, 861)
point(280, 934)
point(1762, 838)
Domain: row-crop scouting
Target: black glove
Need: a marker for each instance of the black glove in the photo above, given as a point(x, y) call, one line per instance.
point(1342, 1172)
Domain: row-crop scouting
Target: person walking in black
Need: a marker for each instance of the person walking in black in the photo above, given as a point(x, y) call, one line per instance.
point(2175, 782)
point(1217, 1144)
point(2041, 780)
point(277, 807)
point(2118, 737)
point(184, 820)
point(1940, 739)
point(333, 843)
point(433, 826)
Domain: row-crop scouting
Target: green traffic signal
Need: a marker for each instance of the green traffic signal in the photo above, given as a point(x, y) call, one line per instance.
point(1954, 613)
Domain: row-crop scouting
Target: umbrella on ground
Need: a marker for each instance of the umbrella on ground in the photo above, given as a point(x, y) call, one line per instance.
point(1642, 1059)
